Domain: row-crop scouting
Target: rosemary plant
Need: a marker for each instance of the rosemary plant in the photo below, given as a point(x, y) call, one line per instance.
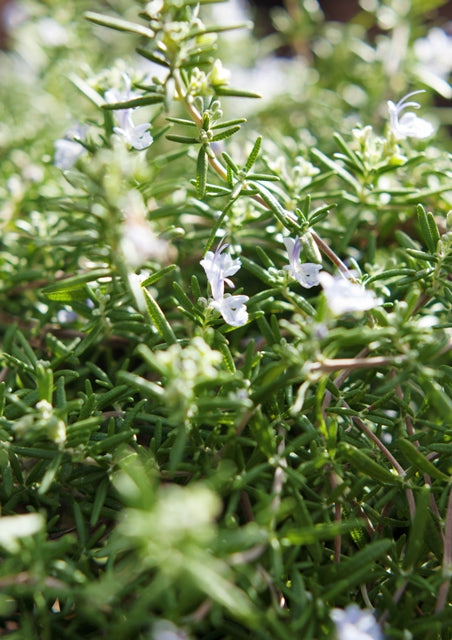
point(225, 395)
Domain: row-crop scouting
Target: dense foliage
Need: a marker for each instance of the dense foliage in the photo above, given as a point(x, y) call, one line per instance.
point(177, 461)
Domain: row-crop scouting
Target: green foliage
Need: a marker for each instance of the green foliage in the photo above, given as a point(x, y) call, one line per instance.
point(161, 465)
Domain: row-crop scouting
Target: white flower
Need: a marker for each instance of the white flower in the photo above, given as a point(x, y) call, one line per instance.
point(354, 624)
point(306, 274)
point(344, 296)
point(52, 33)
point(67, 152)
point(137, 136)
point(139, 243)
point(69, 149)
point(233, 309)
point(435, 52)
point(166, 630)
point(66, 315)
point(13, 528)
point(409, 125)
point(218, 267)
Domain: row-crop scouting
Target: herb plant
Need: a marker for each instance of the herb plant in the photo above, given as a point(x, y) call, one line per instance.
point(225, 395)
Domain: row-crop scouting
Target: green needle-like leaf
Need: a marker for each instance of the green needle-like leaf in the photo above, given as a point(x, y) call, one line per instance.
point(201, 172)
point(158, 319)
point(119, 24)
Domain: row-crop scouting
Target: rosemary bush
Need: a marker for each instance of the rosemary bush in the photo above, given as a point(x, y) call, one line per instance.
point(225, 323)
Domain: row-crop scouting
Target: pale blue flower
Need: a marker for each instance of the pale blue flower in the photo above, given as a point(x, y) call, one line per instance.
point(67, 152)
point(354, 624)
point(343, 296)
point(434, 52)
point(137, 136)
point(166, 630)
point(66, 315)
point(307, 274)
point(219, 267)
point(51, 33)
point(233, 309)
point(409, 125)
point(139, 243)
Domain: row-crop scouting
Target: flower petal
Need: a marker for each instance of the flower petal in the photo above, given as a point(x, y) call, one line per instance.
point(307, 274)
point(354, 624)
point(411, 126)
point(344, 296)
point(218, 267)
point(67, 152)
point(233, 309)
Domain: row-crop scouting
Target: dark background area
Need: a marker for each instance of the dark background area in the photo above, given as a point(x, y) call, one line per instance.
point(341, 10)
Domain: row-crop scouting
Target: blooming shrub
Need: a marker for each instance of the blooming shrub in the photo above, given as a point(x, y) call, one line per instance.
point(226, 382)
